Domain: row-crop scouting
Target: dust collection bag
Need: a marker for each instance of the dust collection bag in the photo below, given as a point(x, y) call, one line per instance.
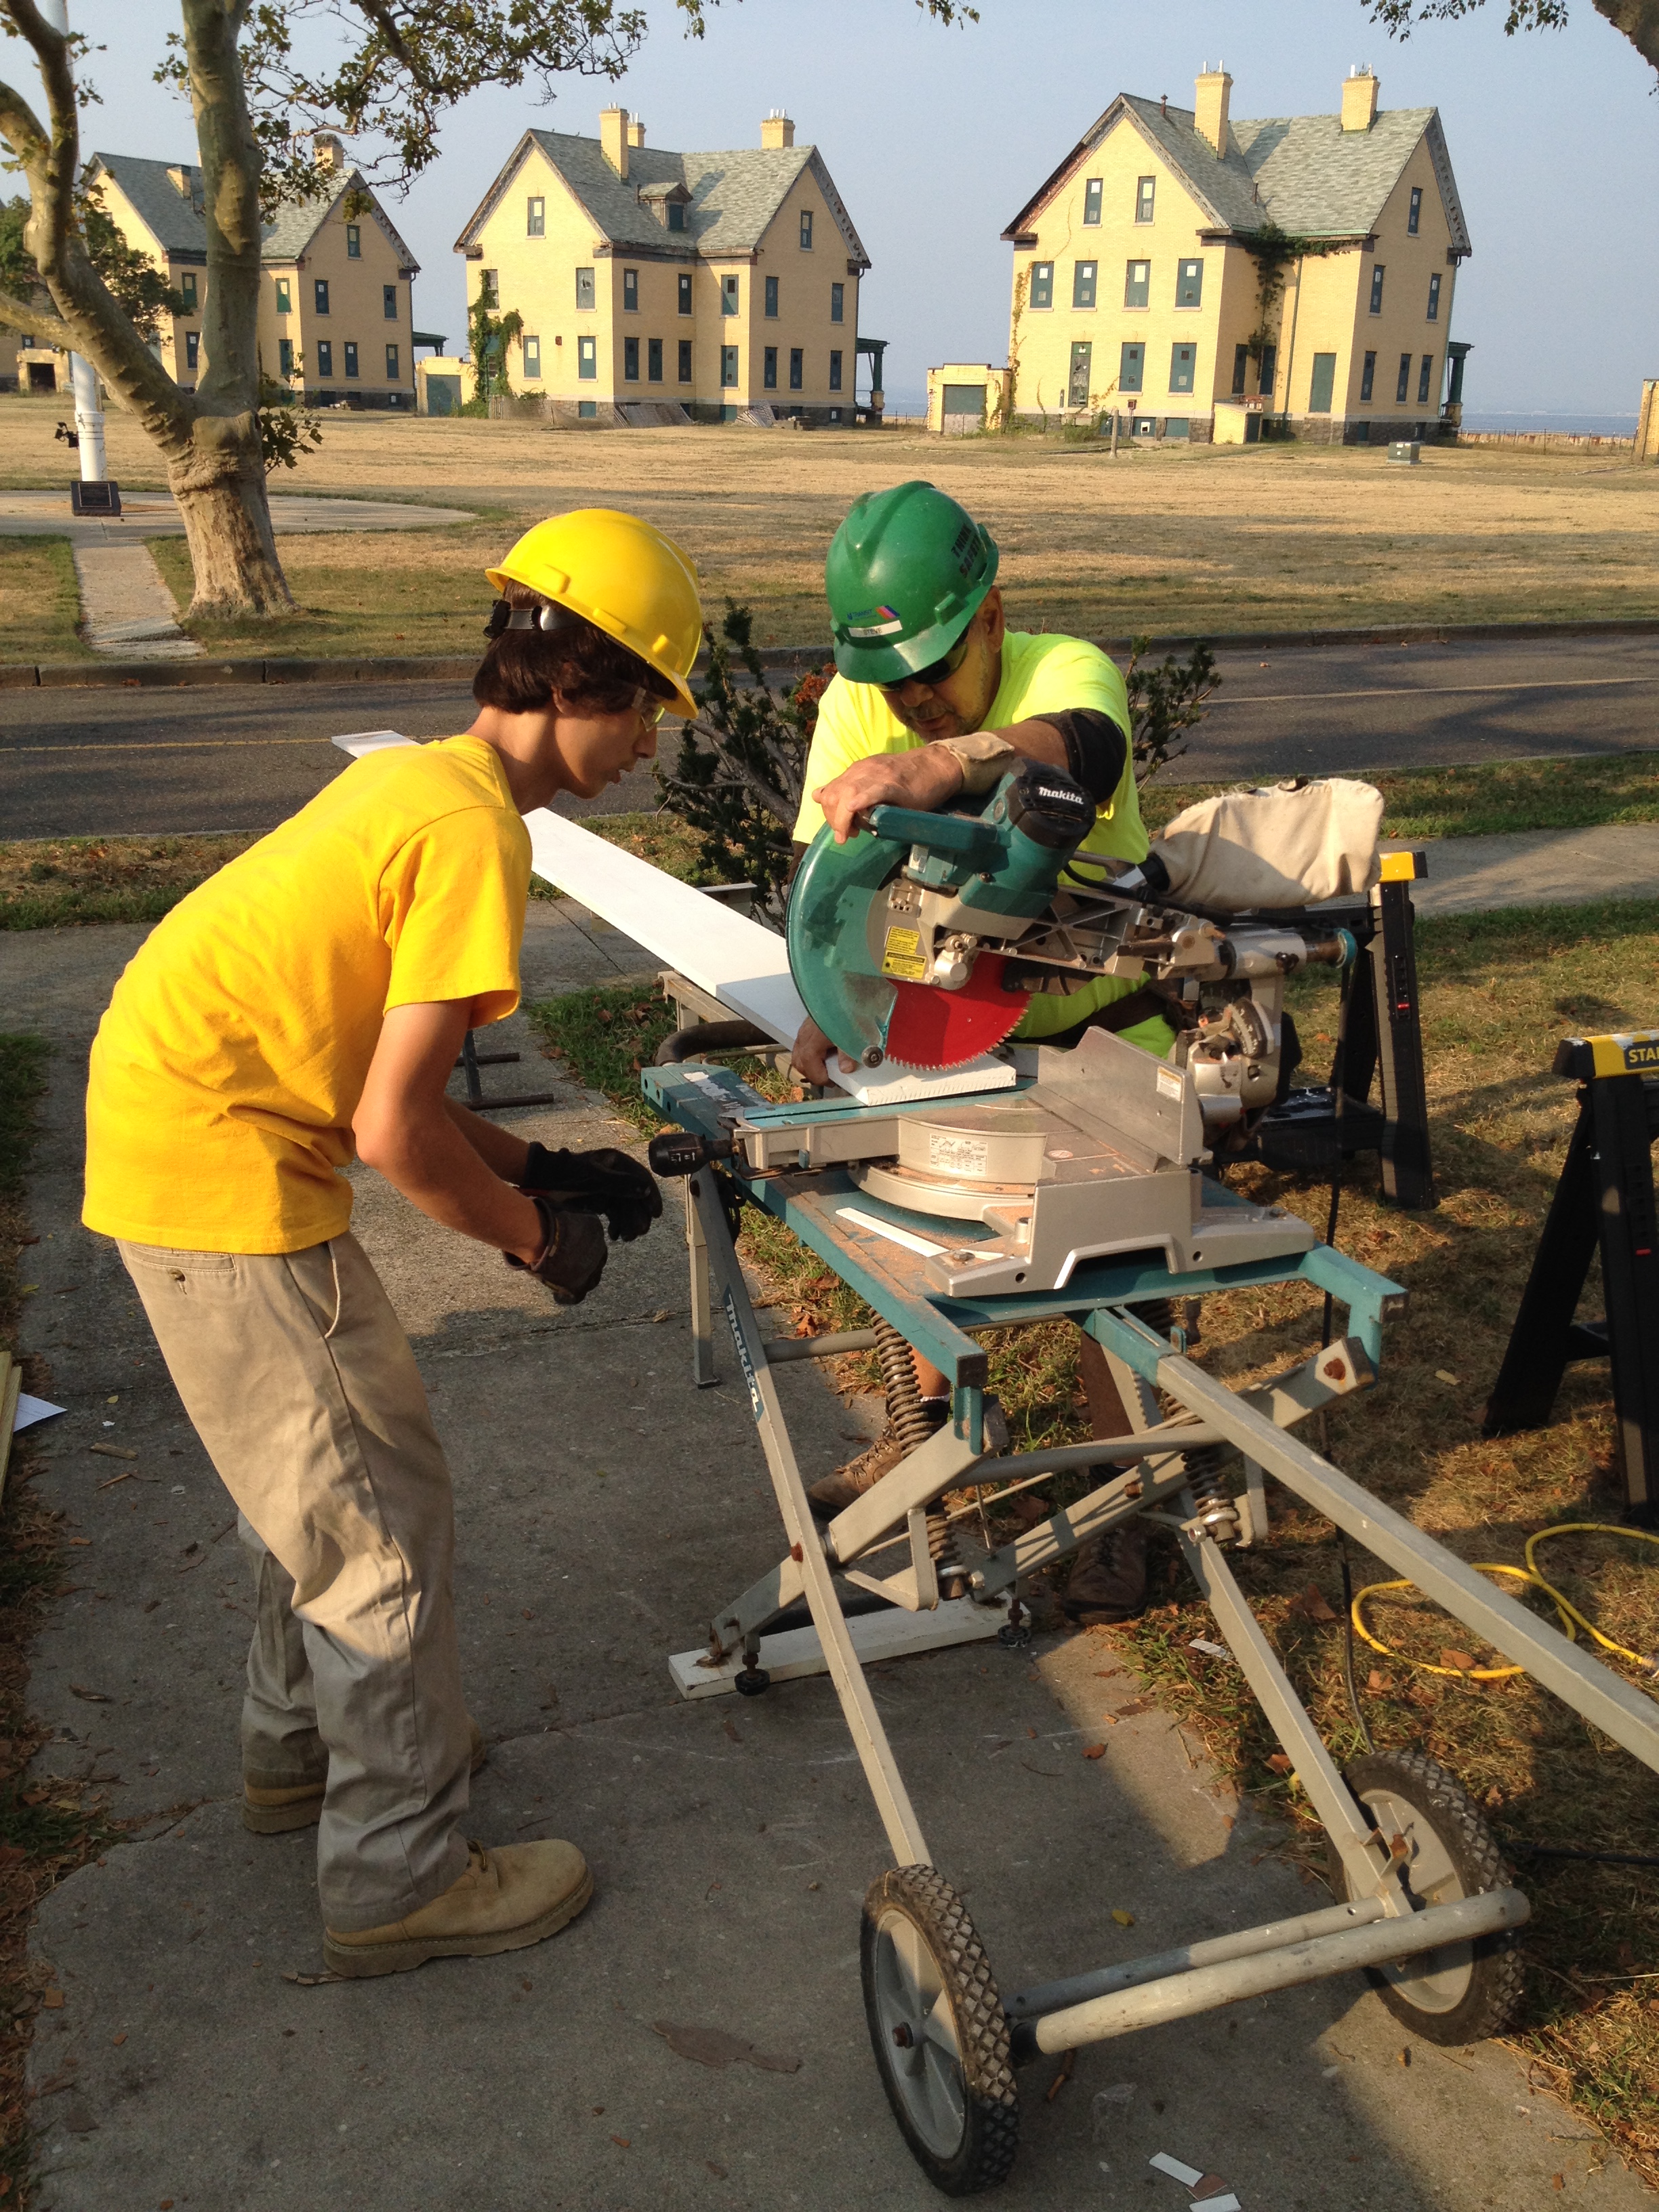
point(1286, 844)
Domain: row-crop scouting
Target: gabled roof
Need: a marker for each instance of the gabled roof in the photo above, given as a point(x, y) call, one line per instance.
point(735, 197)
point(1303, 172)
point(178, 226)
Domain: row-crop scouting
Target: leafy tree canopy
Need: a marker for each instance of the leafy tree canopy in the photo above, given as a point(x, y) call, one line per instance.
point(132, 277)
point(1638, 20)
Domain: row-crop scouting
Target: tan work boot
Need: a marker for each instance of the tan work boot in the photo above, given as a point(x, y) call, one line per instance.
point(835, 1492)
point(271, 1810)
point(506, 1900)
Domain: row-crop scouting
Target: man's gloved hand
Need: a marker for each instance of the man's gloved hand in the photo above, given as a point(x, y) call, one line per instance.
point(605, 1182)
point(572, 1259)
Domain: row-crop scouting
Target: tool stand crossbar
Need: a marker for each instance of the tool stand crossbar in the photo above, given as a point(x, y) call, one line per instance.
point(1393, 1911)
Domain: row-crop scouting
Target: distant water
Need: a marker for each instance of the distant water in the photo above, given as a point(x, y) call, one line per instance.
point(1577, 426)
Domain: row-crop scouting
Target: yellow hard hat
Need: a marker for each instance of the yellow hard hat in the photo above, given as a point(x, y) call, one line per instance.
point(624, 577)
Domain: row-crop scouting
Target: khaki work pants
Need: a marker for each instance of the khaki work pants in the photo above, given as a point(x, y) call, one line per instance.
point(301, 1385)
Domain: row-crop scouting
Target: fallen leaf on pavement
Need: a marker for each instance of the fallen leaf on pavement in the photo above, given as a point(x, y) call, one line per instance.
point(312, 1981)
point(1123, 1919)
point(621, 2141)
point(1094, 1750)
point(53, 2001)
point(91, 1697)
point(712, 2046)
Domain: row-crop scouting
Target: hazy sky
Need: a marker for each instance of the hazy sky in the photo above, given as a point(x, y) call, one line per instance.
point(936, 139)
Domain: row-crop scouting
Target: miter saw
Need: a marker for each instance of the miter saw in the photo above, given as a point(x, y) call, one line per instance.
point(923, 940)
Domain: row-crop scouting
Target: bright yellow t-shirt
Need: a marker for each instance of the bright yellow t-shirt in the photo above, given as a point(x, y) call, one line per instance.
point(1041, 675)
point(226, 1070)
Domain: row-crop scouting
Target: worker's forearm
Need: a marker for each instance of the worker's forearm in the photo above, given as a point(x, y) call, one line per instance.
point(1035, 740)
point(435, 1165)
point(499, 1149)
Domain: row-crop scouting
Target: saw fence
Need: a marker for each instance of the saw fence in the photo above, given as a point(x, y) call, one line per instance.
point(1428, 1909)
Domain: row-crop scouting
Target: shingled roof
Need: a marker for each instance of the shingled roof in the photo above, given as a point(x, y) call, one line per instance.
point(1303, 172)
point(734, 196)
point(178, 227)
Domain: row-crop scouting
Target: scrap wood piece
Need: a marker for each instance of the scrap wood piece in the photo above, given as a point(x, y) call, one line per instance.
point(112, 1451)
point(712, 2046)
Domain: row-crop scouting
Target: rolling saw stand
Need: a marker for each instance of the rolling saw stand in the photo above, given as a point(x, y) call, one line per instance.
point(1429, 1911)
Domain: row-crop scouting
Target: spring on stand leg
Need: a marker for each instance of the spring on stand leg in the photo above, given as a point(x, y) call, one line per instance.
point(1211, 1503)
point(912, 1423)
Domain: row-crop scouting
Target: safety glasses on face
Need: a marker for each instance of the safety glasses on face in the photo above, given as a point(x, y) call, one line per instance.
point(937, 671)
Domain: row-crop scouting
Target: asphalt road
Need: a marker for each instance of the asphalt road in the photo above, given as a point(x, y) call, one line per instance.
point(98, 762)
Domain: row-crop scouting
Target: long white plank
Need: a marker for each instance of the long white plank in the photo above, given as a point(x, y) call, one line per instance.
point(744, 965)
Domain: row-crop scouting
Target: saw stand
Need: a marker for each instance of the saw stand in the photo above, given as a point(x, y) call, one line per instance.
point(1428, 1908)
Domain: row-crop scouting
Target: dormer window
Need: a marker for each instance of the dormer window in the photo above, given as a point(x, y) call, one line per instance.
point(676, 215)
point(668, 203)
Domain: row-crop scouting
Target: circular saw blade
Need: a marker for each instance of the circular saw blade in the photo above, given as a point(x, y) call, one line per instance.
point(935, 1029)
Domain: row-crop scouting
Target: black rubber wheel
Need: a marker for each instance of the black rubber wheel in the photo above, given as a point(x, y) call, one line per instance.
point(1463, 1991)
point(939, 2031)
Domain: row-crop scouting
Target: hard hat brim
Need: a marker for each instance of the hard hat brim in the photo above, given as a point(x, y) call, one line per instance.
point(893, 661)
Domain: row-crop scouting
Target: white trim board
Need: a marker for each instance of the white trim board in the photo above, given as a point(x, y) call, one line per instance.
point(745, 966)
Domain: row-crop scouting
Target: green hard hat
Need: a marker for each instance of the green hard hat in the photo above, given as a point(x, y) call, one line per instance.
point(906, 573)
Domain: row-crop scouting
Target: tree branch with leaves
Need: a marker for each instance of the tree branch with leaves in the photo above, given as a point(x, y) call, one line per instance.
point(1634, 20)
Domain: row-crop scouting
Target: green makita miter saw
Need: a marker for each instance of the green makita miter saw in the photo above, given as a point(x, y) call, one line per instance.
point(921, 942)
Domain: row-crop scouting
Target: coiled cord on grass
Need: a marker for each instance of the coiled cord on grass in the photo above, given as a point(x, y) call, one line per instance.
point(1572, 1619)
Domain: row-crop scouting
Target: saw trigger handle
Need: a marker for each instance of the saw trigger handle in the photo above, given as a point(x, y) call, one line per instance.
point(682, 1151)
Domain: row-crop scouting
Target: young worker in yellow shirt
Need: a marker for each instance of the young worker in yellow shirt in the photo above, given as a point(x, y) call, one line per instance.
point(933, 696)
point(305, 1006)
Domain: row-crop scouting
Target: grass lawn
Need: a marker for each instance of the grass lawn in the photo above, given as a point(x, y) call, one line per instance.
point(1204, 537)
point(40, 601)
point(1496, 991)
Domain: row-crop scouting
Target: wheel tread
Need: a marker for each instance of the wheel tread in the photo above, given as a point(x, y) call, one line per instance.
point(1498, 1984)
point(991, 2138)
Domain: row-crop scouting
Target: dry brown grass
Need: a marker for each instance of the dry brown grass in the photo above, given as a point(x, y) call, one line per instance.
point(1205, 538)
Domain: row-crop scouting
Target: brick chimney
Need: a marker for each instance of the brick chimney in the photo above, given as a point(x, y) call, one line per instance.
point(613, 138)
point(635, 132)
point(330, 154)
point(777, 131)
point(1358, 99)
point(1210, 107)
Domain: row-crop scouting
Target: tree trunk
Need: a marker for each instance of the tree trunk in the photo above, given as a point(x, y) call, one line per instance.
point(219, 483)
point(1639, 22)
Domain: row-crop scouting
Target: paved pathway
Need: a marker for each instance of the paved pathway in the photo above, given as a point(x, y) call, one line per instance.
point(155, 514)
point(127, 612)
point(1536, 868)
point(603, 1505)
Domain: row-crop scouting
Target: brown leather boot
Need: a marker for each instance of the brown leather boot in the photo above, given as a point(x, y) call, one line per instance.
point(835, 1492)
point(1108, 1581)
point(274, 1809)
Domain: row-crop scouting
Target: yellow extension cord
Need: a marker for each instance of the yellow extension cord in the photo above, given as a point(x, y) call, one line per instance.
point(1572, 1619)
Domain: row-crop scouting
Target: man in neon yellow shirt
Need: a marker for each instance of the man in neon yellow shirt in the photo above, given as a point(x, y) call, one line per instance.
point(304, 1006)
point(934, 696)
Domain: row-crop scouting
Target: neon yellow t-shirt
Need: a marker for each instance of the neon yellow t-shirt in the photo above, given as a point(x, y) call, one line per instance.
point(1040, 675)
point(231, 1059)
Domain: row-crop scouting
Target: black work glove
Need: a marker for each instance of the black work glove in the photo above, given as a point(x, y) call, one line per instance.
point(605, 1182)
point(572, 1258)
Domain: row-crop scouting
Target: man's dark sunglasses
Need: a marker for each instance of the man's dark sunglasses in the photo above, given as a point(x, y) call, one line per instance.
point(937, 671)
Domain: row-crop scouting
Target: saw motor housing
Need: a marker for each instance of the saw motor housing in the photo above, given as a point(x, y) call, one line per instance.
point(1000, 904)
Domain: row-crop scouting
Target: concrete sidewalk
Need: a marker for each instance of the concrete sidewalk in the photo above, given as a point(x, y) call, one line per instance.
point(1536, 867)
point(605, 1507)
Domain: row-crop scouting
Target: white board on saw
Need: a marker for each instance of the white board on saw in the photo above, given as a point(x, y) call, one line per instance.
point(742, 964)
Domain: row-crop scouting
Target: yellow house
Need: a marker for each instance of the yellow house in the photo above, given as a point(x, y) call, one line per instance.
point(334, 307)
point(651, 280)
point(1206, 275)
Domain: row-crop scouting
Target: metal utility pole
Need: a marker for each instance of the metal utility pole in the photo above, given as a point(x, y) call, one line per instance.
point(83, 377)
